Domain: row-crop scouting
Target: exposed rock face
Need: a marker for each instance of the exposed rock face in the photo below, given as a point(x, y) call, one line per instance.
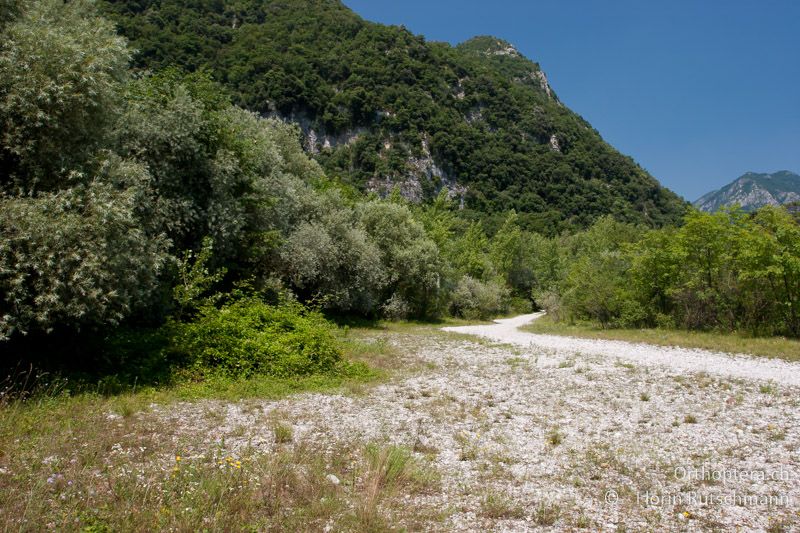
point(542, 77)
point(423, 173)
point(475, 115)
point(554, 146)
point(503, 49)
point(409, 187)
point(314, 142)
point(752, 191)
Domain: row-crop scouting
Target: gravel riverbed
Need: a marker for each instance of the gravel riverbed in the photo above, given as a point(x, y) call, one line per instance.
point(567, 434)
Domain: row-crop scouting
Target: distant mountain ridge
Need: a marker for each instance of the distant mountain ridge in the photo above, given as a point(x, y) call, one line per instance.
point(753, 190)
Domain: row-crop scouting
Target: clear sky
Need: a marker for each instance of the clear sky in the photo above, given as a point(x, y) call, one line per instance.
point(697, 91)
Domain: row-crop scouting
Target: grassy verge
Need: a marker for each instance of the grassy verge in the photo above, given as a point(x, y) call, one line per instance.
point(778, 347)
point(93, 462)
point(75, 466)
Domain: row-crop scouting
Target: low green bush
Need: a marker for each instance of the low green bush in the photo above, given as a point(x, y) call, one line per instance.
point(247, 336)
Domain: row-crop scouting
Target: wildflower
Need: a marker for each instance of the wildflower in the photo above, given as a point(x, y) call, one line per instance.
point(177, 458)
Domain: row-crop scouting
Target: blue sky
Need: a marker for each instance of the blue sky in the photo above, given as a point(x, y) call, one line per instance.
point(698, 92)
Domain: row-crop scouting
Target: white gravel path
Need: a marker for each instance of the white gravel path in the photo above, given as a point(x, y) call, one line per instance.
point(679, 359)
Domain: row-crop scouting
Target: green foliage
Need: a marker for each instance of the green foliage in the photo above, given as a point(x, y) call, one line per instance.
point(75, 258)
point(396, 308)
point(9, 10)
point(119, 174)
point(725, 271)
point(247, 337)
point(410, 258)
point(105, 178)
point(773, 268)
point(60, 70)
point(486, 119)
point(329, 256)
point(194, 278)
point(470, 254)
point(206, 182)
point(74, 251)
point(472, 298)
point(595, 285)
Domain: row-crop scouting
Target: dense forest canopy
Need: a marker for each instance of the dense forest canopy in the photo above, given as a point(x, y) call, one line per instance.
point(382, 107)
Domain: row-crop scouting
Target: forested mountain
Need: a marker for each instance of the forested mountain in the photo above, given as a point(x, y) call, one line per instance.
point(752, 191)
point(383, 108)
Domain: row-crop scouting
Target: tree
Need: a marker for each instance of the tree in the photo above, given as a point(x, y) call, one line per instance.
point(706, 292)
point(511, 257)
point(73, 248)
point(655, 263)
point(773, 262)
point(331, 258)
point(472, 298)
point(595, 284)
point(409, 257)
point(60, 71)
point(470, 253)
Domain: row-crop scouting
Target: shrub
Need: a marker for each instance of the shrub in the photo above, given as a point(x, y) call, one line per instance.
point(396, 308)
point(519, 305)
point(73, 259)
point(663, 321)
point(333, 260)
point(632, 314)
point(247, 337)
point(550, 301)
point(473, 298)
point(195, 279)
point(60, 71)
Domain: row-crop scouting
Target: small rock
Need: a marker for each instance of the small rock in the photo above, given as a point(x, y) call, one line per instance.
point(333, 479)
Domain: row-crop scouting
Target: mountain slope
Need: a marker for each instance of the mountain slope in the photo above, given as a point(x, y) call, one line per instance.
point(383, 108)
point(752, 190)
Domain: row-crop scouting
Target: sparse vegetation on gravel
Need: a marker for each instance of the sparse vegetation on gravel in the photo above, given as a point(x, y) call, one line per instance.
point(454, 438)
